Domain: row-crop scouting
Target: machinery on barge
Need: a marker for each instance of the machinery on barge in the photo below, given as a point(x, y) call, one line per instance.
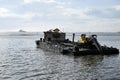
point(56, 41)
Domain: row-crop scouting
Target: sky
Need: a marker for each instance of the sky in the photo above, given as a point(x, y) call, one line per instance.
point(67, 15)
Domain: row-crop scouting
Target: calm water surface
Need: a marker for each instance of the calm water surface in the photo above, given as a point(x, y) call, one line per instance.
point(21, 60)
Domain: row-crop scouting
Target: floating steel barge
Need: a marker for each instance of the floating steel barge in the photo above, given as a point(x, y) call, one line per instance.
point(56, 41)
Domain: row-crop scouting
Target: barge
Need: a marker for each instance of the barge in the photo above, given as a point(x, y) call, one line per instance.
point(56, 41)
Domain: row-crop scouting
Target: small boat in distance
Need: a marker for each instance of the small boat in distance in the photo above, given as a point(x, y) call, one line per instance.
point(21, 30)
point(56, 41)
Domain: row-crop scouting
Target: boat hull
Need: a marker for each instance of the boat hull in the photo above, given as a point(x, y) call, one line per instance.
point(58, 47)
point(110, 51)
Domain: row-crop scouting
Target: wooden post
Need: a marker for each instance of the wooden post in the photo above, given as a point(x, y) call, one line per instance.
point(73, 37)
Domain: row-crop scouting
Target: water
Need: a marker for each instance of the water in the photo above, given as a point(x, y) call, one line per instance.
point(21, 60)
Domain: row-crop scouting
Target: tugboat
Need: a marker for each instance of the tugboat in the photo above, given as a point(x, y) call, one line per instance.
point(55, 40)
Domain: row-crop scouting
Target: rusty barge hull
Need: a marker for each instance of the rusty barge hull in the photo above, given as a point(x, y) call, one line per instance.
point(70, 49)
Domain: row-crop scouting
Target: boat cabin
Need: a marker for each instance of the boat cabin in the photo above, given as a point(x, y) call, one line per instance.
point(54, 35)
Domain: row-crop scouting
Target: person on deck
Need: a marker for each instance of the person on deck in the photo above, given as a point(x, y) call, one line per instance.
point(82, 39)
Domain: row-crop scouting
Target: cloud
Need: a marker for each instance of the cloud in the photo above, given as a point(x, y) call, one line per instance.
point(67, 12)
point(3, 10)
point(117, 7)
point(5, 13)
point(92, 25)
point(43, 1)
point(72, 11)
point(106, 13)
point(58, 10)
point(35, 15)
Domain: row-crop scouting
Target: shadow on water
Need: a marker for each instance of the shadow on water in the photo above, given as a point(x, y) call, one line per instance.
point(90, 66)
point(89, 60)
point(98, 67)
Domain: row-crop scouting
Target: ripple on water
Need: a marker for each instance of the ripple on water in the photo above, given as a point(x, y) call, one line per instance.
point(21, 60)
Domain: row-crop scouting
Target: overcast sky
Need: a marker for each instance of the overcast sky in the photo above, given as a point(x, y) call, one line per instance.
point(68, 15)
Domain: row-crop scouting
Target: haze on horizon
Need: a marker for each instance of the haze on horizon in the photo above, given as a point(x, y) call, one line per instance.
point(68, 15)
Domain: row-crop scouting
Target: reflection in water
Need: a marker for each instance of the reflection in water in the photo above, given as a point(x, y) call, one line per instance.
point(89, 66)
point(90, 60)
